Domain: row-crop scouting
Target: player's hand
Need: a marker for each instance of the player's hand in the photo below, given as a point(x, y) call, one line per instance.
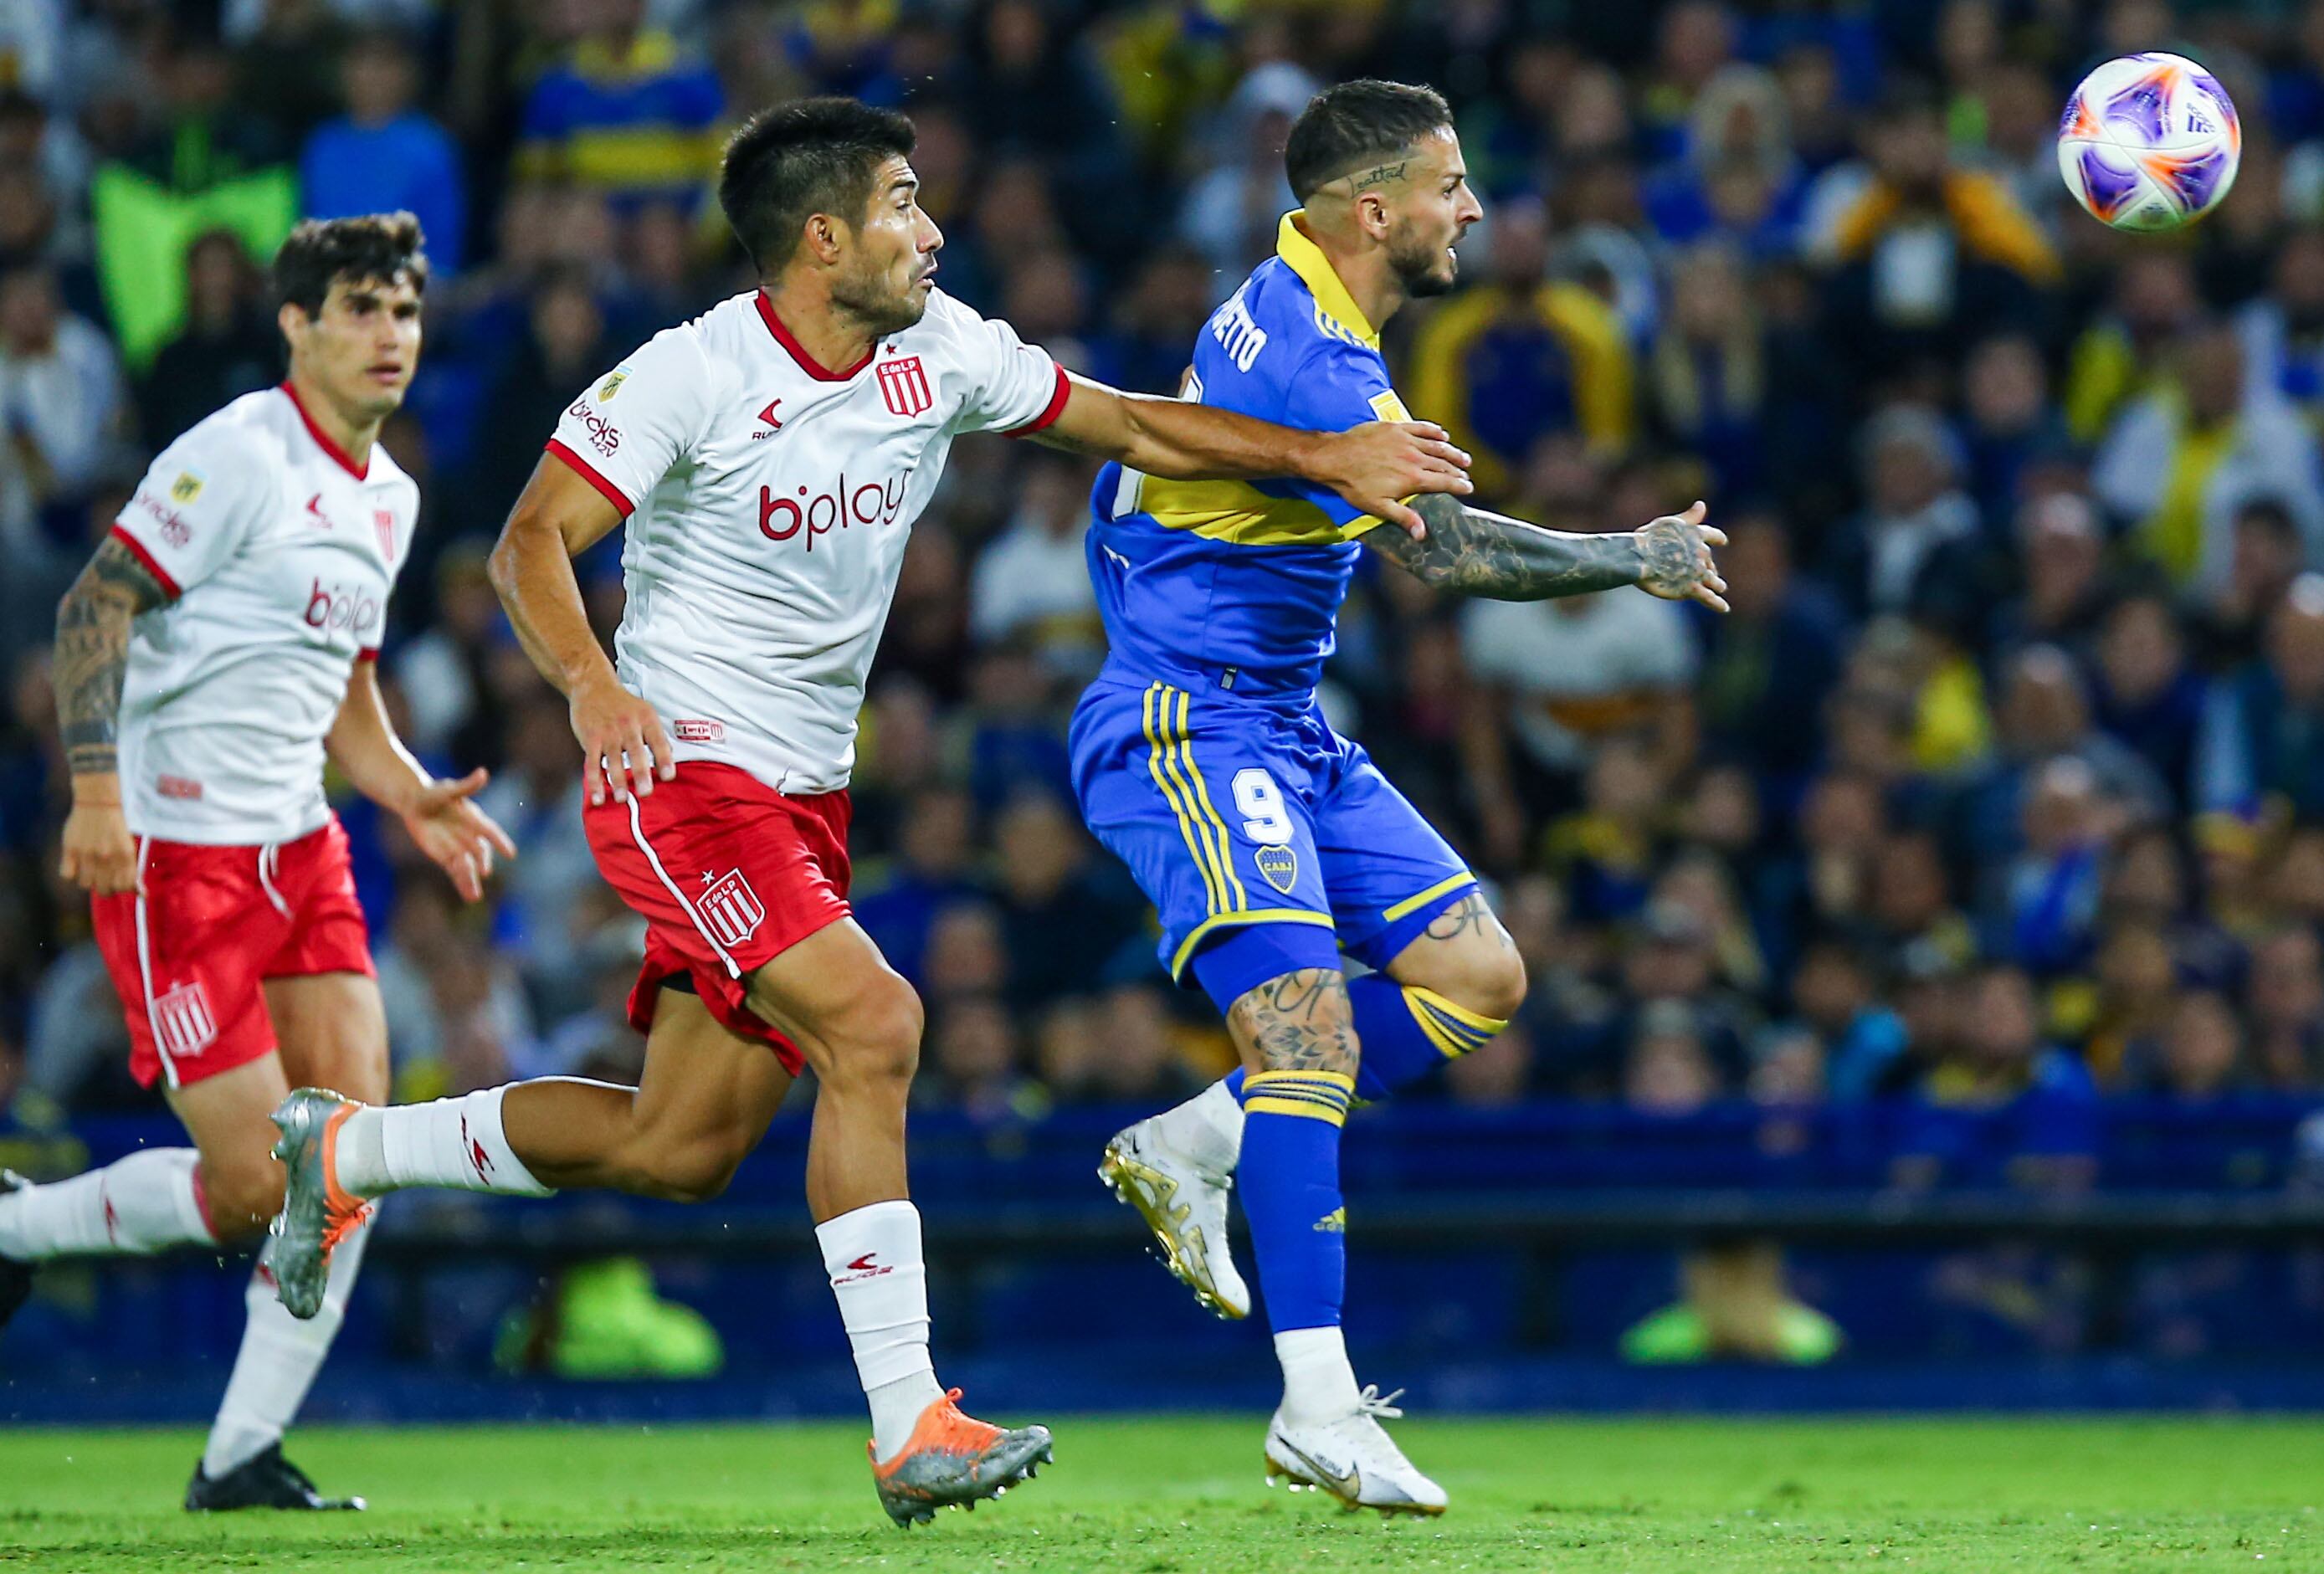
point(1379, 464)
point(460, 837)
point(100, 855)
point(1678, 562)
point(619, 734)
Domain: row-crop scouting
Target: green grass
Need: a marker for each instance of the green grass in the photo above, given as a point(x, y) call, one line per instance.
point(1183, 1496)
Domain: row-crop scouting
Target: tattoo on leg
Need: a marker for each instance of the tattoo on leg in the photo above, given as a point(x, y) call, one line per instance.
point(92, 653)
point(1469, 915)
point(1300, 1022)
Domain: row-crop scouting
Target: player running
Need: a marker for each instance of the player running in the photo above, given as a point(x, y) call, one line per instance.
point(218, 645)
point(1270, 844)
point(769, 458)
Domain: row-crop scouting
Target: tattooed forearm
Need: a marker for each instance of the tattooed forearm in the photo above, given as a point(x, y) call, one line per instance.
point(1472, 551)
point(92, 653)
point(1300, 1022)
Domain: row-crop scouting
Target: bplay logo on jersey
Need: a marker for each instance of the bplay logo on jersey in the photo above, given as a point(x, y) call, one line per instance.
point(874, 502)
point(338, 606)
point(604, 434)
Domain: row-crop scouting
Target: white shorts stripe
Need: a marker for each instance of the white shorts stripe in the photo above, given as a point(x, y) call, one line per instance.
point(146, 969)
point(638, 833)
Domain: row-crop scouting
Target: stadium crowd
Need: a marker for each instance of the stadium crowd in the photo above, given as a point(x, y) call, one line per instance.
point(2002, 786)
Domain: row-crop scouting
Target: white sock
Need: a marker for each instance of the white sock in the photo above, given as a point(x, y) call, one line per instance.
point(1207, 1129)
point(1318, 1384)
point(279, 1359)
point(452, 1143)
point(881, 1285)
point(132, 1206)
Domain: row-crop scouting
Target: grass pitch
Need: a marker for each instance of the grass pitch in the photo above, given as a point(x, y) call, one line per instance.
point(1183, 1496)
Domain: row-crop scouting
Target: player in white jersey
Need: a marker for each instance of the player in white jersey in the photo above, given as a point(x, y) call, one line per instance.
point(769, 458)
point(218, 645)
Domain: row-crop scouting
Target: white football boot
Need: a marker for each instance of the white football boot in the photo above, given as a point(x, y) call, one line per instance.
point(1184, 1203)
point(1353, 1458)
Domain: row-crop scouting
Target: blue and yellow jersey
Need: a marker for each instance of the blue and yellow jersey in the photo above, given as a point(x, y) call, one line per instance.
point(1236, 584)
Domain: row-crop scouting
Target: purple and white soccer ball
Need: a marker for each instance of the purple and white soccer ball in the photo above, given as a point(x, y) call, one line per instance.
point(2149, 142)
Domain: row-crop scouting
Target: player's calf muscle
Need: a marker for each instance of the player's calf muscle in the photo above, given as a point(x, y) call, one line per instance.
point(1300, 1021)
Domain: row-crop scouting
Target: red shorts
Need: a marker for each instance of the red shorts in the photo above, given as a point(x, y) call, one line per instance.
point(729, 874)
point(189, 946)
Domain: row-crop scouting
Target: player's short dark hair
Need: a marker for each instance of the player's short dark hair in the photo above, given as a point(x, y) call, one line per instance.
point(1358, 124)
point(810, 156)
point(371, 247)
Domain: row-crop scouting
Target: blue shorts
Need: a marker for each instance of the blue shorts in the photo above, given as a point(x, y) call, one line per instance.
point(1233, 814)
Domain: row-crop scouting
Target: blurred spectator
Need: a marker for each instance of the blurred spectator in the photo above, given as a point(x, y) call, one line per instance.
point(2065, 591)
point(626, 110)
point(206, 162)
point(2180, 462)
point(60, 414)
point(1928, 250)
point(1516, 357)
point(2264, 732)
point(1032, 582)
point(2145, 694)
point(2201, 1054)
point(1708, 372)
point(1917, 547)
point(385, 153)
point(1775, 655)
point(1064, 916)
point(2285, 1000)
point(230, 346)
point(2011, 424)
point(2124, 355)
point(2004, 1105)
point(1231, 210)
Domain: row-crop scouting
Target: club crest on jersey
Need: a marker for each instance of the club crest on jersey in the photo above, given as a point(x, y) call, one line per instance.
point(183, 1023)
point(904, 385)
point(1279, 866)
point(383, 522)
point(187, 487)
point(611, 386)
point(730, 908)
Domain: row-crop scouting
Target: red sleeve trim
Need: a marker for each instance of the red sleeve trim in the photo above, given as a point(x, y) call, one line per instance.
point(145, 561)
point(588, 472)
point(1049, 412)
point(368, 653)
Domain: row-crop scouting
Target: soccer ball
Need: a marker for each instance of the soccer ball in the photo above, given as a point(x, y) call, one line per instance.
point(2149, 142)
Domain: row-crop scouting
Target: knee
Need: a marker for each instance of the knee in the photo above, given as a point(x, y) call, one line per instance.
point(694, 1169)
point(241, 1197)
point(1493, 986)
point(875, 1047)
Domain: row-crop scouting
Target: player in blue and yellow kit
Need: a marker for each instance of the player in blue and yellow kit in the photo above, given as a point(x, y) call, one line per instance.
point(1271, 845)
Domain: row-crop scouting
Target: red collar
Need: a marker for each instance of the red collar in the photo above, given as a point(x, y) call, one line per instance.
point(323, 439)
point(807, 362)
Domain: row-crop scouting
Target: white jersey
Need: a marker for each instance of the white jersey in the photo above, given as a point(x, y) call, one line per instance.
point(769, 501)
point(277, 555)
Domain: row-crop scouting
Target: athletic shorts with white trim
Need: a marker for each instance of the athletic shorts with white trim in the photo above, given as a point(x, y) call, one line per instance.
point(728, 874)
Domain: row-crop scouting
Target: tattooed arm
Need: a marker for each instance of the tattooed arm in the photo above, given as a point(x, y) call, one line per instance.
point(90, 662)
point(1472, 551)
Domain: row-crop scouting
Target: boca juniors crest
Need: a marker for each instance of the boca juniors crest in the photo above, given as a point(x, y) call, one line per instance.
point(1281, 865)
point(904, 385)
point(731, 909)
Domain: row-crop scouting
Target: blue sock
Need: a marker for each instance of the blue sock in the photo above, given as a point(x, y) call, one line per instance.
point(1405, 1033)
point(1290, 1178)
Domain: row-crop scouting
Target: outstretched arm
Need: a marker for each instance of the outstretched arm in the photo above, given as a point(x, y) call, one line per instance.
point(90, 662)
point(444, 825)
point(1374, 466)
point(1472, 551)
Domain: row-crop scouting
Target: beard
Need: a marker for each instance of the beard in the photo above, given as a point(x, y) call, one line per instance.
point(866, 295)
point(1423, 270)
